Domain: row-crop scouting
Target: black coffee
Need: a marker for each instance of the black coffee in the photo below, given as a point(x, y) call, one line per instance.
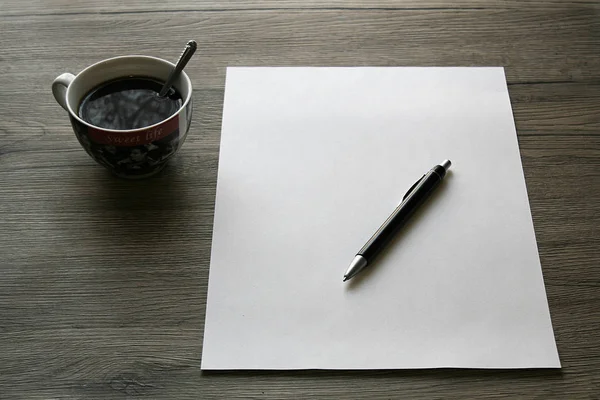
point(128, 103)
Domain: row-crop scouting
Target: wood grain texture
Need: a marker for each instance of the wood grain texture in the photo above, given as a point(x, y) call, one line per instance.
point(62, 7)
point(103, 281)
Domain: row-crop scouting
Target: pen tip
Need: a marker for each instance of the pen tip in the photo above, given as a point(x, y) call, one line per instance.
point(345, 279)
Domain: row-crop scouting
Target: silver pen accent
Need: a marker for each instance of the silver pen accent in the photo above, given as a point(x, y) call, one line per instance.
point(355, 267)
point(446, 164)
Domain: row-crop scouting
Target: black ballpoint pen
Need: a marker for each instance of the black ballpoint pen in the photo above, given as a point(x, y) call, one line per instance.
point(415, 196)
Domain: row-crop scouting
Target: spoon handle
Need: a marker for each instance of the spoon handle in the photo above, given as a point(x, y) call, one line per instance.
point(188, 52)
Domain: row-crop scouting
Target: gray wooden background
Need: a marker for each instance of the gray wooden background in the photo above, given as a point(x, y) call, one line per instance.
point(103, 281)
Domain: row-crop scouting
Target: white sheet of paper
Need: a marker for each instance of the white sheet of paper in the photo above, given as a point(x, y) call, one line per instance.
point(312, 161)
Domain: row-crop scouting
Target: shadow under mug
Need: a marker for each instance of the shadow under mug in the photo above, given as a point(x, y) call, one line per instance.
point(134, 153)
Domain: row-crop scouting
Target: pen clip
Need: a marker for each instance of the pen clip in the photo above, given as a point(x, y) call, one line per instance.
point(413, 187)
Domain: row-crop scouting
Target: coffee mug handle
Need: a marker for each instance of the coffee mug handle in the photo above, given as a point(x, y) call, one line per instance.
point(59, 88)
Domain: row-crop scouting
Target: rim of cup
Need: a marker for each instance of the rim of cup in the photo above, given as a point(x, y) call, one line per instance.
point(75, 115)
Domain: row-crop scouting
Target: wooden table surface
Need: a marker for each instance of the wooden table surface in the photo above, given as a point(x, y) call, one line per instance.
point(103, 281)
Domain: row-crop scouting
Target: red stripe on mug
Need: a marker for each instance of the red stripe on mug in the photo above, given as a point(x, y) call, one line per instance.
point(130, 139)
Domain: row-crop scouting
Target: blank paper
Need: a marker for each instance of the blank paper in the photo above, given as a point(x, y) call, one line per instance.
point(312, 161)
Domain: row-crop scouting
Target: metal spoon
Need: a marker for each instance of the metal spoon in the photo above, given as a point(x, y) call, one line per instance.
point(188, 52)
